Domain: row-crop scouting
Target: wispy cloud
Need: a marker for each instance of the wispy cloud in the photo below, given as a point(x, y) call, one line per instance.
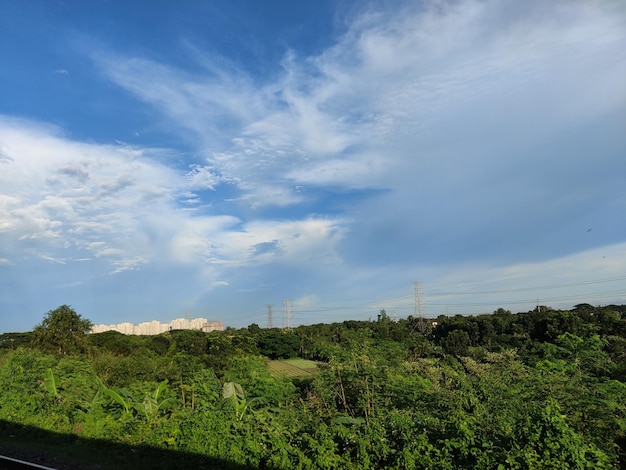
point(455, 94)
point(441, 140)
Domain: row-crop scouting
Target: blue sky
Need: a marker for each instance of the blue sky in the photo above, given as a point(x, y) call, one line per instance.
point(163, 159)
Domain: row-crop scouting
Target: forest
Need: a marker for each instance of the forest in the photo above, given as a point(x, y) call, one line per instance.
point(531, 390)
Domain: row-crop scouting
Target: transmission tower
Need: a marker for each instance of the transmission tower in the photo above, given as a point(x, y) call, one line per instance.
point(419, 308)
point(287, 319)
point(270, 322)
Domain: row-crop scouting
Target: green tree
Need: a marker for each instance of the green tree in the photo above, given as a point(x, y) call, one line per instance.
point(62, 331)
point(277, 344)
point(457, 342)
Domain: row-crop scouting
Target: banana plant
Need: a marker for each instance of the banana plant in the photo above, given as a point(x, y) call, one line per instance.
point(152, 405)
point(234, 392)
point(125, 402)
point(51, 383)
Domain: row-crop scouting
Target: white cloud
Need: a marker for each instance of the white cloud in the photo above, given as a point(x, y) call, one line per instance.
point(475, 137)
point(202, 177)
point(260, 195)
point(310, 242)
point(360, 171)
point(196, 240)
point(204, 105)
point(117, 204)
point(63, 194)
point(468, 115)
point(395, 86)
point(305, 302)
point(222, 241)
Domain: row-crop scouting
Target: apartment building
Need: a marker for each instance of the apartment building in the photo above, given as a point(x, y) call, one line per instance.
point(155, 327)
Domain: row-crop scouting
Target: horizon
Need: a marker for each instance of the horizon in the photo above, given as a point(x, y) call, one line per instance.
point(157, 160)
point(391, 315)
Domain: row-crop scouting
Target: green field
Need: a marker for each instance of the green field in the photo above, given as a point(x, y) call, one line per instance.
point(292, 368)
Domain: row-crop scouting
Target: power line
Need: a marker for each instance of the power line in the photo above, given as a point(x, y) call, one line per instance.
point(411, 301)
point(270, 322)
point(287, 320)
point(375, 304)
point(522, 289)
point(533, 300)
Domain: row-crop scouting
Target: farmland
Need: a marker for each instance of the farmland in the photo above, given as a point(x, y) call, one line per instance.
point(292, 368)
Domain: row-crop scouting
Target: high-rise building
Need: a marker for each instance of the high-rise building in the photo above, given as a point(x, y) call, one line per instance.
point(155, 327)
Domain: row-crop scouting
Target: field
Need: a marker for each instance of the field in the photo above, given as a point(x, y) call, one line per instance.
point(292, 368)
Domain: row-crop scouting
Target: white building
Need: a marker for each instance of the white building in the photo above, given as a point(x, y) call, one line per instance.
point(155, 327)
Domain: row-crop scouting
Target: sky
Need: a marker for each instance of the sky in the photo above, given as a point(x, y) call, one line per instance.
point(207, 159)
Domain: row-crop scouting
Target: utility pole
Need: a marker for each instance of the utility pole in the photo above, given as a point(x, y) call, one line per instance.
point(270, 323)
point(287, 320)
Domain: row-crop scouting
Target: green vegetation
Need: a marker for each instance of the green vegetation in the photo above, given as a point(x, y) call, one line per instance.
point(541, 389)
point(296, 368)
point(304, 364)
point(63, 331)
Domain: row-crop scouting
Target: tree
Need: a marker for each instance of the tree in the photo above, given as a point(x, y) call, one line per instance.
point(277, 344)
point(457, 342)
point(62, 331)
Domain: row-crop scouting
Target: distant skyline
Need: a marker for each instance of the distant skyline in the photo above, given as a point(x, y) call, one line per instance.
point(155, 327)
point(206, 159)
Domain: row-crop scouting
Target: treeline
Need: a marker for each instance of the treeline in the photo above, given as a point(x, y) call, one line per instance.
point(541, 389)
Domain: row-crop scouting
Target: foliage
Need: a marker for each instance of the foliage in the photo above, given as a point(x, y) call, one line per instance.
point(234, 393)
point(115, 342)
point(124, 402)
point(50, 382)
point(15, 340)
point(62, 331)
point(278, 344)
point(154, 403)
point(542, 389)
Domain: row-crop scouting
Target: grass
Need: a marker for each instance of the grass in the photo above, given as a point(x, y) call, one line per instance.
point(292, 368)
point(302, 363)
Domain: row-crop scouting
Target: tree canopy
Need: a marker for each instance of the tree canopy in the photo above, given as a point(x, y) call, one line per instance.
point(62, 331)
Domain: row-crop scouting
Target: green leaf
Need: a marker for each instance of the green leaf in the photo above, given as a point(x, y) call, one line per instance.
point(159, 390)
point(233, 390)
point(168, 403)
point(116, 397)
point(349, 420)
point(51, 383)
